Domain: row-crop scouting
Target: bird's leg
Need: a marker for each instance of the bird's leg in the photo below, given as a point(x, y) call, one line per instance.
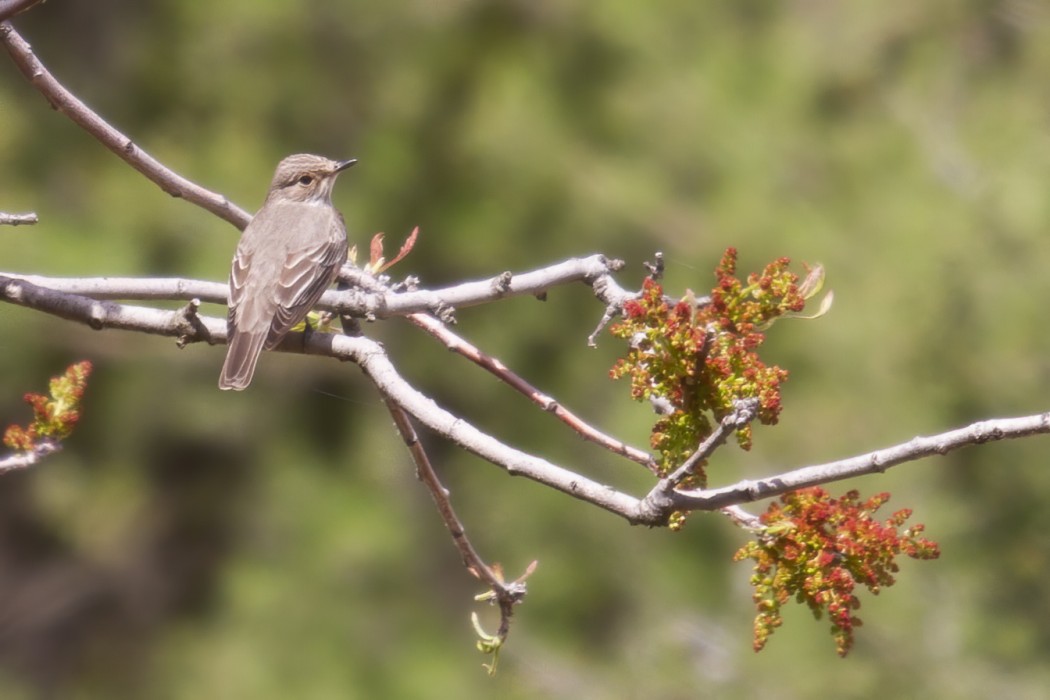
point(308, 330)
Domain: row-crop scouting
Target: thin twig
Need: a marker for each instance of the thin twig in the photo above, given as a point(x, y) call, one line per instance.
point(506, 595)
point(742, 414)
point(10, 8)
point(24, 460)
point(459, 345)
point(742, 518)
point(655, 269)
point(68, 104)
point(425, 471)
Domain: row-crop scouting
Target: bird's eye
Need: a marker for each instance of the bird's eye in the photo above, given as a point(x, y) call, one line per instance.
point(305, 180)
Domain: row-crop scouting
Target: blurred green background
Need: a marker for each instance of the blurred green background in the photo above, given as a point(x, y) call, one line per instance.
point(190, 543)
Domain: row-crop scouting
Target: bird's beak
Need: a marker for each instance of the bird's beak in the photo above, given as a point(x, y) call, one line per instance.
point(342, 165)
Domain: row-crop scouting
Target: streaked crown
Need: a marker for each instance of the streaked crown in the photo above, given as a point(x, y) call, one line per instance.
point(306, 178)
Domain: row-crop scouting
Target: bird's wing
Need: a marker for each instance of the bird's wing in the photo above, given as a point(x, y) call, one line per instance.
point(238, 281)
point(245, 310)
point(305, 275)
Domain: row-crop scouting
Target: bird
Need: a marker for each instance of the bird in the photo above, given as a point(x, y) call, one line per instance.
point(286, 258)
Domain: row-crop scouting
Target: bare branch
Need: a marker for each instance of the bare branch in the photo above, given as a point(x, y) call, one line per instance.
point(367, 353)
point(742, 518)
point(654, 509)
point(24, 460)
point(611, 312)
point(425, 471)
point(458, 345)
point(878, 461)
point(104, 314)
point(743, 413)
point(369, 300)
point(10, 8)
point(506, 595)
point(656, 269)
point(190, 316)
point(594, 270)
point(68, 104)
point(375, 363)
point(17, 219)
point(131, 288)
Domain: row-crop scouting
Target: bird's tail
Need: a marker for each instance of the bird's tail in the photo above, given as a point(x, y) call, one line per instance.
point(241, 356)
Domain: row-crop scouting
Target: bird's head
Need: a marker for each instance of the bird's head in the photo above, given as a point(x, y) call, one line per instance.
point(307, 178)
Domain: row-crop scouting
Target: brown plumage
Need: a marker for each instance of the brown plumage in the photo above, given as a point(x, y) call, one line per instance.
point(287, 257)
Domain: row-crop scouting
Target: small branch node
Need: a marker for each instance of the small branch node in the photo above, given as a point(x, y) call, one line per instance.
point(877, 464)
point(611, 312)
point(656, 269)
point(445, 313)
point(742, 518)
point(744, 411)
point(190, 323)
point(501, 283)
point(409, 284)
point(97, 317)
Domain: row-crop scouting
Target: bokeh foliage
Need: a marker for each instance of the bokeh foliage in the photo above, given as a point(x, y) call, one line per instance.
point(188, 543)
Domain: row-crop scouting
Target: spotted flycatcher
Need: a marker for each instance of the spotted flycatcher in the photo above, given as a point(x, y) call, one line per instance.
point(286, 258)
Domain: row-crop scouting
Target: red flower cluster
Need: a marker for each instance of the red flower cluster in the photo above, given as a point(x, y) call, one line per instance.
point(816, 549)
point(53, 417)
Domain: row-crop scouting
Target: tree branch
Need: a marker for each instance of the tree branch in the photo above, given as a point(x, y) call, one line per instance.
point(68, 104)
point(425, 471)
point(130, 288)
point(24, 460)
point(371, 302)
point(375, 363)
point(367, 353)
point(873, 462)
point(653, 510)
point(506, 594)
point(17, 219)
point(743, 413)
point(458, 345)
point(104, 314)
point(10, 8)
